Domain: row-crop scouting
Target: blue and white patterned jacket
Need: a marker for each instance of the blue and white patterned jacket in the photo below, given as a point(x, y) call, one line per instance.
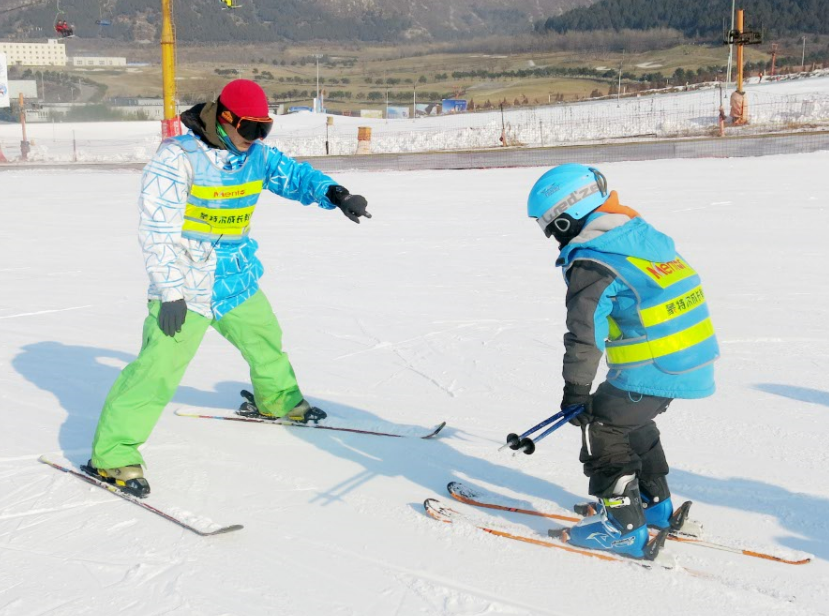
point(212, 277)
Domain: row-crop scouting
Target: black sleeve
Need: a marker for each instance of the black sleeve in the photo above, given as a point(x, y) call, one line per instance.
point(587, 282)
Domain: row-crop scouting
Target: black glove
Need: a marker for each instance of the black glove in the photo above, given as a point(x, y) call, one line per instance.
point(578, 394)
point(171, 316)
point(353, 206)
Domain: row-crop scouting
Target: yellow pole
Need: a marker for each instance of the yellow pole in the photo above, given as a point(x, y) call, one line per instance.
point(170, 126)
point(740, 53)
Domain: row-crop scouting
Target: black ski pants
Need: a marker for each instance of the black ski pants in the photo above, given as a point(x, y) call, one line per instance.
point(622, 439)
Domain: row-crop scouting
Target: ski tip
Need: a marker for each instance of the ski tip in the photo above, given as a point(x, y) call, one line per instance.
point(435, 510)
point(45, 459)
point(436, 431)
point(456, 489)
point(779, 559)
point(221, 531)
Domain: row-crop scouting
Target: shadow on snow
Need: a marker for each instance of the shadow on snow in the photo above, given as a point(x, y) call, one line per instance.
point(792, 392)
point(80, 378)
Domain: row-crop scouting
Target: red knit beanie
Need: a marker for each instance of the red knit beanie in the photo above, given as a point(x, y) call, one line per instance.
point(245, 98)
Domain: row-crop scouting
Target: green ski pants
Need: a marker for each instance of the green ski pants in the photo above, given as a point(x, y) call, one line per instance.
point(147, 385)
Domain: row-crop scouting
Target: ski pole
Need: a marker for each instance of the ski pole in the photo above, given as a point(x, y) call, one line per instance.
point(527, 445)
point(514, 440)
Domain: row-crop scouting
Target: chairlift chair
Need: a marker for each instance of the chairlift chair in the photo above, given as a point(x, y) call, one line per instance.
point(103, 20)
point(749, 37)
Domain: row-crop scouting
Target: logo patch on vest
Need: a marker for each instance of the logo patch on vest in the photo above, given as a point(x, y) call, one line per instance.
point(664, 274)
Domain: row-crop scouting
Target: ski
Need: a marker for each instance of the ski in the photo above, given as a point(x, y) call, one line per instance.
point(175, 519)
point(440, 513)
point(292, 424)
point(479, 498)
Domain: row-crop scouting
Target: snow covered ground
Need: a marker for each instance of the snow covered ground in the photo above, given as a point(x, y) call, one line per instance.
point(445, 306)
point(780, 105)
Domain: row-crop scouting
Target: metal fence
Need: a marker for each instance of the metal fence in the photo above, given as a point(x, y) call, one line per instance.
point(637, 119)
point(655, 117)
point(709, 147)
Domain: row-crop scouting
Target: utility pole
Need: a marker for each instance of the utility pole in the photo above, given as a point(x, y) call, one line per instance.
point(803, 57)
point(24, 144)
point(773, 57)
point(619, 87)
point(318, 106)
point(414, 101)
point(503, 128)
point(731, 44)
point(170, 125)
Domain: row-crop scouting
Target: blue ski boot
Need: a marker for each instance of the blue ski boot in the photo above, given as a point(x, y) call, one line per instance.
point(619, 526)
point(656, 501)
point(660, 512)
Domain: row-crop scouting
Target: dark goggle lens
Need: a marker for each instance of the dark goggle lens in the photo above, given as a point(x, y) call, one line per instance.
point(252, 130)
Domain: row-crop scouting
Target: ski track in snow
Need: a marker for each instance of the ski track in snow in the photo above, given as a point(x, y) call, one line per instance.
point(448, 310)
point(40, 312)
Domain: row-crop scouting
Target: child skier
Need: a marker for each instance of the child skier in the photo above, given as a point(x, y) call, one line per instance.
point(631, 296)
point(198, 195)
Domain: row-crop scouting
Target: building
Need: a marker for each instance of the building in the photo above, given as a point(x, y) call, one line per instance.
point(50, 53)
point(144, 108)
point(27, 87)
point(45, 112)
point(98, 61)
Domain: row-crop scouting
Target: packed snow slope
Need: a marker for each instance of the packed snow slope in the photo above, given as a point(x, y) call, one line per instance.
point(445, 306)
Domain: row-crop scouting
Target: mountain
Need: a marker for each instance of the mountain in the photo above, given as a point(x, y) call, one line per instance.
point(293, 20)
point(699, 18)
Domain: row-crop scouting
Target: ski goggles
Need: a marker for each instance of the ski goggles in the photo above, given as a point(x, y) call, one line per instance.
point(248, 127)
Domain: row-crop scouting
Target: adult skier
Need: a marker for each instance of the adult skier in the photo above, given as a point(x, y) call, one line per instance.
point(631, 296)
point(198, 195)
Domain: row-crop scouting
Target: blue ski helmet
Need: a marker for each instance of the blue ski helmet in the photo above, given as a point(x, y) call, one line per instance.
point(564, 196)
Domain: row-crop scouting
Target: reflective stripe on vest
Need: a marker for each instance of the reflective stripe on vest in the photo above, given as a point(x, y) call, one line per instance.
point(221, 202)
point(673, 308)
point(624, 355)
point(209, 221)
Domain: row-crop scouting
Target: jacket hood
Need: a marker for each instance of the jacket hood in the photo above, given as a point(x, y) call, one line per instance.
point(634, 238)
point(201, 119)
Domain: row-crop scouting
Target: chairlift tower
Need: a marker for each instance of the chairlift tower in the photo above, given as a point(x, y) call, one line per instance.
point(170, 125)
point(740, 37)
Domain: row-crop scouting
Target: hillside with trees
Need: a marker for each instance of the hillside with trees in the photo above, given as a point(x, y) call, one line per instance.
point(701, 18)
point(287, 20)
